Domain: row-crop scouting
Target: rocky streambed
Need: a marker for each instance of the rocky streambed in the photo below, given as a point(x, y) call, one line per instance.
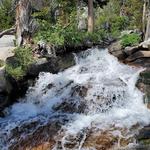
point(138, 56)
point(92, 105)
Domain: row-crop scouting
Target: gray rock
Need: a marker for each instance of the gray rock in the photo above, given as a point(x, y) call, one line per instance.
point(137, 55)
point(52, 64)
point(130, 50)
point(144, 85)
point(145, 44)
point(117, 50)
point(5, 90)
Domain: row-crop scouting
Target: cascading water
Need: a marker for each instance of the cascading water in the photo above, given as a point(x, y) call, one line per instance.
point(96, 95)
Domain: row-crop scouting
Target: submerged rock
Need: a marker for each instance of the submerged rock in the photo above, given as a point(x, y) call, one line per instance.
point(42, 137)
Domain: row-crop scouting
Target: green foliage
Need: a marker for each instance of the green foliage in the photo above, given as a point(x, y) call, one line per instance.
point(23, 58)
point(130, 40)
point(133, 10)
point(68, 35)
point(1, 63)
point(108, 22)
point(16, 72)
point(6, 14)
point(109, 19)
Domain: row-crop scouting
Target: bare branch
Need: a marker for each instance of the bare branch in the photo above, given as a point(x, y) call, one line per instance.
point(7, 32)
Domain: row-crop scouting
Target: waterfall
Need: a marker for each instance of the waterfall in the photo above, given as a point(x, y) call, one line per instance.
point(98, 93)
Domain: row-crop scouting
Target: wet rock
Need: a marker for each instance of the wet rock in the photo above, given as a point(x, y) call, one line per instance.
point(144, 133)
point(145, 44)
point(100, 141)
point(5, 90)
point(42, 65)
point(74, 103)
point(133, 55)
point(117, 50)
point(130, 50)
point(44, 146)
point(137, 55)
point(52, 64)
point(71, 106)
point(141, 62)
point(144, 85)
point(43, 132)
point(143, 138)
point(80, 91)
point(125, 141)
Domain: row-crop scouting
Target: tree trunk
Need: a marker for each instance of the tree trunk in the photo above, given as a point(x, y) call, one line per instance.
point(23, 20)
point(144, 17)
point(147, 34)
point(90, 16)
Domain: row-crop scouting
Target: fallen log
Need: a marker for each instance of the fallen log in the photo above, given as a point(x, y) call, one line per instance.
point(7, 32)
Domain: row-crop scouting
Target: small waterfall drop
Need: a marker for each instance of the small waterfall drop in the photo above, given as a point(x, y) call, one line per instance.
point(97, 94)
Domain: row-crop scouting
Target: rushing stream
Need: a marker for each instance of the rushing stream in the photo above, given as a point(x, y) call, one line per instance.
point(96, 95)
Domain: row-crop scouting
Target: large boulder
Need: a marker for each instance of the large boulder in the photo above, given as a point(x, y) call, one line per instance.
point(52, 64)
point(144, 85)
point(133, 55)
point(137, 55)
point(43, 134)
point(117, 50)
point(129, 50)
point(143, 139)
point(145, 44)
point(5, 90)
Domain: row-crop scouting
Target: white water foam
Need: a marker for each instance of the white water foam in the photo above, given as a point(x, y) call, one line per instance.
point(111, 99)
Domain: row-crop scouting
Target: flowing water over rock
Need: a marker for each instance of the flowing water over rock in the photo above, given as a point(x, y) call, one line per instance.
point(93, 105)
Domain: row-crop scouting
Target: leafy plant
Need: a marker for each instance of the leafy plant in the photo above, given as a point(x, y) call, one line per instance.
point(24, 56)
point(22, 59)
point(16, 72)
point(1, 63)
point(130, 39)
point(6, 14)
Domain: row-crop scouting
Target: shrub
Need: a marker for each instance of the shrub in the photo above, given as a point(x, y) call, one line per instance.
point(130, 40)
point(6, 14)
point(22, 59)
point(1, 63)
point(16, 72)
point(23, 56)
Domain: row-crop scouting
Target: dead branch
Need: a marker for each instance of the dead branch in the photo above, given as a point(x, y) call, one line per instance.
point(7, 32)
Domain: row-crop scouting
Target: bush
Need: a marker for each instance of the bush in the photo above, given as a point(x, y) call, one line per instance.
point(16, 72)
point(23, 56)
point(7, 16)
point(22, 59)
point(1, 63)
point(130, 40)
point(59, 35)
